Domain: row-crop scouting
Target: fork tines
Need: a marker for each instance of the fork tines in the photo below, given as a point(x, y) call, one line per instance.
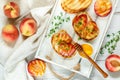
point(78, 47)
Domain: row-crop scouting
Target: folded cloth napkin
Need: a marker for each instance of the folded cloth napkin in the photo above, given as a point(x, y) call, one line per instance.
point(12, 57)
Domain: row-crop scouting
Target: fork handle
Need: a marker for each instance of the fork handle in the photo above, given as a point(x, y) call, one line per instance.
point(95, 65)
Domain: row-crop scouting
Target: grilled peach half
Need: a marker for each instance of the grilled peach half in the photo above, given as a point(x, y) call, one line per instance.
point(103, 7)
point(36, 67)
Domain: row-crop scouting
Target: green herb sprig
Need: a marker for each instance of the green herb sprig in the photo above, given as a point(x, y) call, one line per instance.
point(111, 44)
point(56, 23)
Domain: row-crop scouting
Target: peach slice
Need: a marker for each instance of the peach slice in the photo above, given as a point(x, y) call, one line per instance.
point(11, 10)
point(28, 26)
point(10, 33)
point(112, 63)
point(36, 67)
point(103, 7)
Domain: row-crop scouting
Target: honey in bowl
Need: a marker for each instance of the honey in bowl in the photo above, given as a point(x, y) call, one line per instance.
point(36, 67)
point(88, 49)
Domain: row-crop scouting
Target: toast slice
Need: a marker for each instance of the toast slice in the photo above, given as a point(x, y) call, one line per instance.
point(61, 43)
point(85, 27)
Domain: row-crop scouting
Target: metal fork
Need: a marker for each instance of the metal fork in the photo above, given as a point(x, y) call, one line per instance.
point(80, 49)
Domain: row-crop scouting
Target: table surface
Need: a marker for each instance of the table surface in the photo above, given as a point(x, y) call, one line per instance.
point(95, 75)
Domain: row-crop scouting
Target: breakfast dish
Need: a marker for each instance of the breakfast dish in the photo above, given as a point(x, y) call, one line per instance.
point(61, 42)
point(75, 6)
point(74, 20)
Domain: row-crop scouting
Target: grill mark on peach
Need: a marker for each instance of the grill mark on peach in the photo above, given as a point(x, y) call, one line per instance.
point(68, 1)
point(36, 67)
point(78, 5)
point(67, 9)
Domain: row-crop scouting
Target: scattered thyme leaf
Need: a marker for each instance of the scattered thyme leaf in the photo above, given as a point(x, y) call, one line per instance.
point(52, 31)
point(56, 27)
point(108, 35)
point(61, 13)
point(119, 32)
point(63, 20)
point(79, 38)
point(52, 22)
point(113, 34)
point(112, 43)
point(55, 17)
point(57, 22)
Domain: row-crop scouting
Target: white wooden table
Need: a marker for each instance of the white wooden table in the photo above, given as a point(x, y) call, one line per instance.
point(95, 75)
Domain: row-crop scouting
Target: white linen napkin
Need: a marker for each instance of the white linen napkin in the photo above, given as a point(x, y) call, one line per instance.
point(12, 57)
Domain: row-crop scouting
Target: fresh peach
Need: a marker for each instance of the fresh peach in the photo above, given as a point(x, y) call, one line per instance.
point(11, 10)
point(36, 67)
point(28, 26)
point(10, 33)
point(112, 63)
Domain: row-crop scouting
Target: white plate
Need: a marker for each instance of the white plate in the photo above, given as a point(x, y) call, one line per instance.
point(45, 47)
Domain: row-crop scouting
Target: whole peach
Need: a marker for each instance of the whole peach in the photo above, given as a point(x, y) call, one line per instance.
point(28, 26)
point(10, 33)
point(11, 10)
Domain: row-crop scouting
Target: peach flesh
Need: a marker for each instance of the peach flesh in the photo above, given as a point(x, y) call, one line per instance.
point(112, 63)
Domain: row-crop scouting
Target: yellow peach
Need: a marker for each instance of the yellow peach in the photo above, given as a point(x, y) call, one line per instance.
point(10, 33)
point(28, 26)
point(11, 10)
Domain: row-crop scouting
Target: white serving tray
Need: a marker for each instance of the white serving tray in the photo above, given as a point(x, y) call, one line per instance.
point(45, 47)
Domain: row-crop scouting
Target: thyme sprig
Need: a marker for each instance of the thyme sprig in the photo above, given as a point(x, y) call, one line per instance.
point(111, 44)
point(57, 22)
